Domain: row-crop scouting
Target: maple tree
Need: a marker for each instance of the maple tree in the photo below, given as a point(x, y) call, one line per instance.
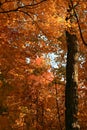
point(33, 49)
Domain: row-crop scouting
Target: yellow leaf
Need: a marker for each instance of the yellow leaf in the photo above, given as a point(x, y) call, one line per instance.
point(60, 19)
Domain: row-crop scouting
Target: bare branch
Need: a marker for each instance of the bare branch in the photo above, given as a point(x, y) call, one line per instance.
point(75, 14)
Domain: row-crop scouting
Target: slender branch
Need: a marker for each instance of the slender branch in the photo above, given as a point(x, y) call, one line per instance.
point(78, 23)
point(22, 7)
point(37, 3)
point(27, 13)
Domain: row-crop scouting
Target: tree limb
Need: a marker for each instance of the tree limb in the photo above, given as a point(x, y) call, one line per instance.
point(21, 7)
point(75, 14)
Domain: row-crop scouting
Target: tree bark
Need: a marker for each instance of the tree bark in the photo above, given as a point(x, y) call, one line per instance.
point(71, 90)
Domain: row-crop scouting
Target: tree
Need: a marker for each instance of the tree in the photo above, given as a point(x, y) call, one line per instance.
point(71, 91)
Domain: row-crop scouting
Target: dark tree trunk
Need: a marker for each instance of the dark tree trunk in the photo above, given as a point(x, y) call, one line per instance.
point(71, 94)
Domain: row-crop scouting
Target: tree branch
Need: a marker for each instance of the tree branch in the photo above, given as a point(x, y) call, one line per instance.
point(75, 14)
point(21, 7)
